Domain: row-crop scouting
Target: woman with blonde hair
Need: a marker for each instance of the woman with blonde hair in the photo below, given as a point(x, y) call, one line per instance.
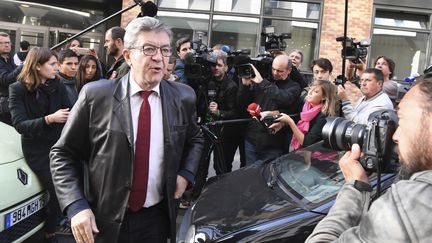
point(39, 107)
point(319, 103)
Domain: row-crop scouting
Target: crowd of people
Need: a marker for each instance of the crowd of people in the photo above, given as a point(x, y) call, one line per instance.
point(117, 149)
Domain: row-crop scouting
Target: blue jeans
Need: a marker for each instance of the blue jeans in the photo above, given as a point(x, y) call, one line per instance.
point(252, 155)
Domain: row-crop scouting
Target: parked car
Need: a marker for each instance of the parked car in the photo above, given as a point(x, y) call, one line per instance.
point(22, 198)
point(276, 201)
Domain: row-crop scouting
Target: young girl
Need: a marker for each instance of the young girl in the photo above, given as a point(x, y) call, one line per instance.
point(88, 71)
point(319, 103)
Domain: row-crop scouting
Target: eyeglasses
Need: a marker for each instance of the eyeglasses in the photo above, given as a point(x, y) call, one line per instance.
point(149, 50)
point(5, 43)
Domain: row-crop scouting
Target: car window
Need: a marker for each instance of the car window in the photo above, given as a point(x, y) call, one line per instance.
point(312, 175)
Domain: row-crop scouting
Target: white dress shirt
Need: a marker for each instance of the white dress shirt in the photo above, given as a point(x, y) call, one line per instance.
point(156, 165)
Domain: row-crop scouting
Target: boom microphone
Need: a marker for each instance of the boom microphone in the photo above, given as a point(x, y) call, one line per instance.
point(147, 9)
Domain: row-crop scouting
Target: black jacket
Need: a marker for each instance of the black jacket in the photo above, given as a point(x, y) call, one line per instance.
point(28, 117)
point(70, 85)
point(120, 67)
point(279, 95)
point(8, 74)
point(99, 131)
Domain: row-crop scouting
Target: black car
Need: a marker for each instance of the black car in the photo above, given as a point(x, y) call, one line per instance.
point(276, 201)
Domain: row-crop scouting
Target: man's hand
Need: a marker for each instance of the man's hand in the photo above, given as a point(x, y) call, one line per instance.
point(257, 79)
point(83, 226)
point(180, 187)
point(213, 107)
point(342, 93)
point(351, 167)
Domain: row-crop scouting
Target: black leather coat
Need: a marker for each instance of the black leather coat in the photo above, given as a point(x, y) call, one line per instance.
point(99, 131)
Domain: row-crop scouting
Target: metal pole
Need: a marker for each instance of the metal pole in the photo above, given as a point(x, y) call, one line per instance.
point(95, 25)
point(345, 39)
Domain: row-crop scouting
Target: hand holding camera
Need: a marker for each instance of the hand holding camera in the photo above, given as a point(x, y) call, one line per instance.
point(255, 76)
point(351, 167)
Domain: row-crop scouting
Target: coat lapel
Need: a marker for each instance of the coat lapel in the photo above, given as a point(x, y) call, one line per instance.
point(121, 107)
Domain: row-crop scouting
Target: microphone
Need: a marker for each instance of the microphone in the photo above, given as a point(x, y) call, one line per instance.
point(254, 110)
point(211, 91)
point(226, 49)
point(147, 9)
point(189, 58)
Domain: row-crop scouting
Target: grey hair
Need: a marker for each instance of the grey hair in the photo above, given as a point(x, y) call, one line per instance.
point(143, 24)
point(4, 34)
point(299, 52)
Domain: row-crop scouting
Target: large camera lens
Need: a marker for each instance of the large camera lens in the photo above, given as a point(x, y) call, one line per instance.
point(340, 134)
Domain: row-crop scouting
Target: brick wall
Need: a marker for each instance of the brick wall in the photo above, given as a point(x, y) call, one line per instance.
point(359, 25)
point(128, 15)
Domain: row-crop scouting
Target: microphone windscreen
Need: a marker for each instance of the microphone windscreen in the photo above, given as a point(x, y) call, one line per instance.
point(241, 60)
point(189, 58)
point(254, 110)
point(226, 49)
point(148, 9)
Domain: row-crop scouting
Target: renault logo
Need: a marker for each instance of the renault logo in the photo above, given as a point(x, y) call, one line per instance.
point(22, 176)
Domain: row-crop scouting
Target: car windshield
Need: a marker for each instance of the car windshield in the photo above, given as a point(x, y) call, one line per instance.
point(312, 174)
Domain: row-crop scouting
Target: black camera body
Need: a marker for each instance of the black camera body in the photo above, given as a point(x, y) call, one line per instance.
point(355, 50)
point(275, 42)
point(375, 139)
point(263, 63)
point(198, 67)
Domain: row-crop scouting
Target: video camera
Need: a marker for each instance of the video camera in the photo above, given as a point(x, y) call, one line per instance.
point(198, 65)
point(355, 50)
point(263, 63)
point(273, 42)
point(375, 139)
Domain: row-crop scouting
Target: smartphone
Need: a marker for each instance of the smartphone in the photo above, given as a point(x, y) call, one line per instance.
point(82, 51)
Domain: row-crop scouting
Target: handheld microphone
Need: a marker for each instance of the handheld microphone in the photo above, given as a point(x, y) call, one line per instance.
point(211, 91)
point(254, 110)
point(147, 9)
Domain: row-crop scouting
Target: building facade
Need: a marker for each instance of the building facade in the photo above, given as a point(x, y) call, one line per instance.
point(399, 29)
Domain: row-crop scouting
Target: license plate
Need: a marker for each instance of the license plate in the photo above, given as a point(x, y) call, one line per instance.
point(24, 212)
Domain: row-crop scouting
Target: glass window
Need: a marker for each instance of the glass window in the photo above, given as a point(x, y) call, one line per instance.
point(44, 15)
point(34, 38)
point(191, 25)
point(406, 48)
point(238, 32)
point(238, 6)
point(303, 37)
point(185, 4)
point(292, 9)
point(405, 20)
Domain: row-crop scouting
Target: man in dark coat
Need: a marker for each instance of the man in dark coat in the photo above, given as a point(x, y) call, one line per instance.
point(114, 43)
point(103, 130)
point(8, 74)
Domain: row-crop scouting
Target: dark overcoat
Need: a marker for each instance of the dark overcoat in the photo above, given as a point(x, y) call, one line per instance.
point(99, 131)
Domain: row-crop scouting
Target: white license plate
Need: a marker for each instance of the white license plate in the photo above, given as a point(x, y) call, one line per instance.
point(24, 212)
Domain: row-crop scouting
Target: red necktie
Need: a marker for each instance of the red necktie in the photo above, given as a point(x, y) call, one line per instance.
point(142, 151)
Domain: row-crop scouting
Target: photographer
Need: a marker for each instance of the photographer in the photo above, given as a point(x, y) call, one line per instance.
point(402, 213)
point(222, 92)
point(279, 93)
point(373, 99)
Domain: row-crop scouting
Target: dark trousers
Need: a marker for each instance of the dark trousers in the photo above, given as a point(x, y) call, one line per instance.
point(146, 225)
point(53, 213)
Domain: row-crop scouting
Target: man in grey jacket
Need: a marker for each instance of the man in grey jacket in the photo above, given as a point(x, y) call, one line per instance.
point(402, 214)
point(373, 99)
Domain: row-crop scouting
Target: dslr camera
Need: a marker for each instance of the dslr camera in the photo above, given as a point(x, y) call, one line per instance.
point(374, 138)
point(198, 65)
point(355, 50)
